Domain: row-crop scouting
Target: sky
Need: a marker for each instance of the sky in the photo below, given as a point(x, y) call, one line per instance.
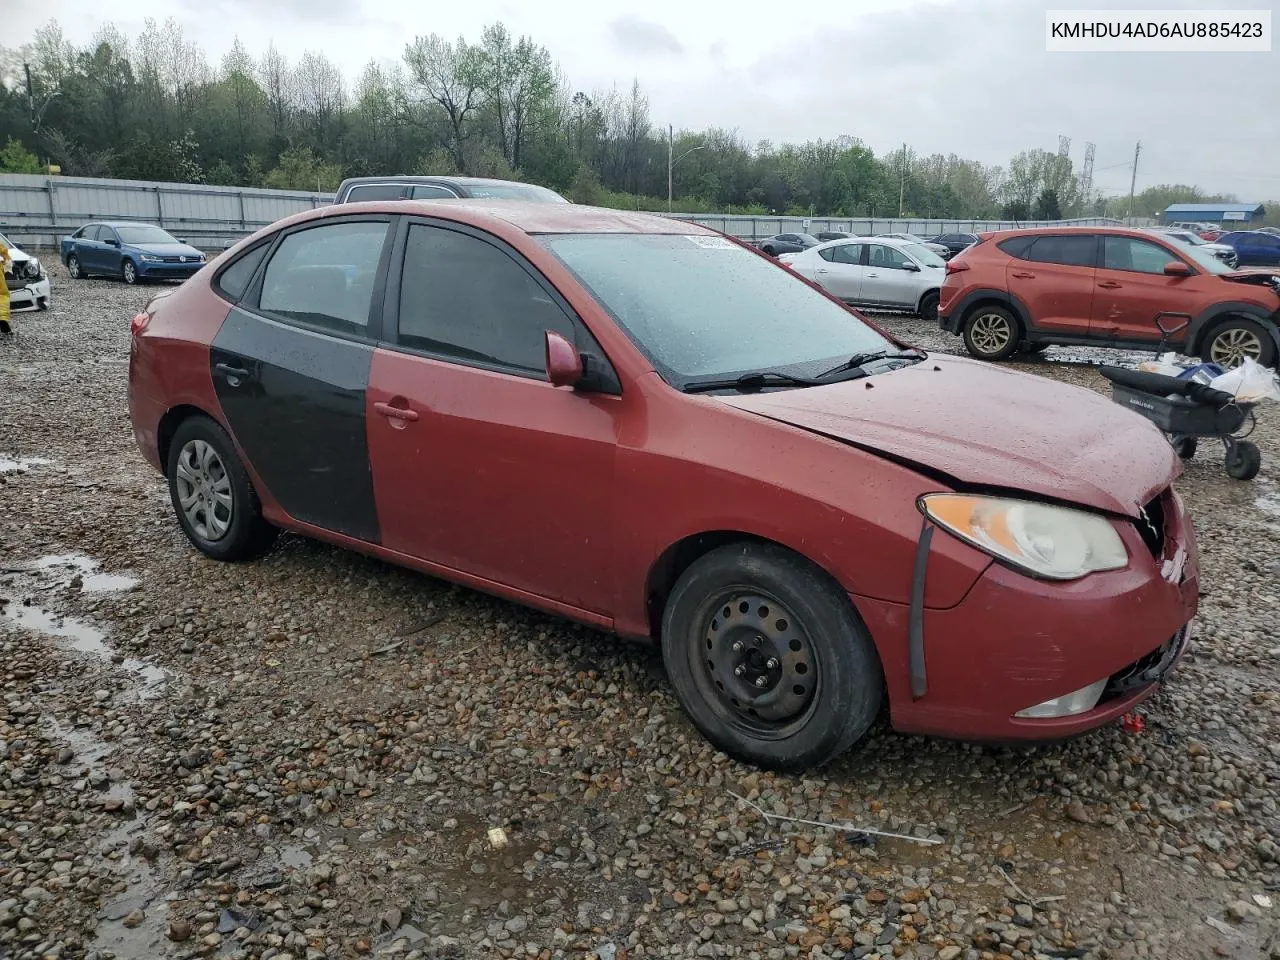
point(970, 77)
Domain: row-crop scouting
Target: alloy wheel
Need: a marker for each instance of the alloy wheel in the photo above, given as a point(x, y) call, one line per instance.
point(204, 490)
point(1231, 346)
point(130, 272)
point(991, 332)
point(73, 267)
point(758, 662)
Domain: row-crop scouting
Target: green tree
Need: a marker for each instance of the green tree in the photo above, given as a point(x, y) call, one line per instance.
point(1046, 207)
point(15, 158)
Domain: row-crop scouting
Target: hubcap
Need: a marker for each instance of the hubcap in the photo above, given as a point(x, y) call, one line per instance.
point(991, 333)
point(204, 490)
point(758, 660)
point(1230, 347)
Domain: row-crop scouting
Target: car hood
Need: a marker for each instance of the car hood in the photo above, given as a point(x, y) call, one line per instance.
point(984, 427)
point(18, 256)
point(165, 249)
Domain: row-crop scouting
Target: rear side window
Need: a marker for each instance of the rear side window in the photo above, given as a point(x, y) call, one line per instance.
point(1072, 251)
point(828, 254)
point(850, 253)
point(324, 276)
point(463, 298)
point(1017, 246)
point(1138, 256)
point(234, 280)
point(362, 192)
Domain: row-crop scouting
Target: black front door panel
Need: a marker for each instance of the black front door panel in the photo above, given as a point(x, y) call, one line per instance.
point(295, 400)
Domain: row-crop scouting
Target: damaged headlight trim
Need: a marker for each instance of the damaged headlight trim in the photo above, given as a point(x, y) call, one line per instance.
point(1039, 539)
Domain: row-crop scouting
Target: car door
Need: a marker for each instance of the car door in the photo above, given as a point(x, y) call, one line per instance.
point(888, 279)
point(839, 271)
point(85, 247)
point(480, 464)
point(290, 366)
point(109, 251)
point(1132, 288)
point(1053, 280)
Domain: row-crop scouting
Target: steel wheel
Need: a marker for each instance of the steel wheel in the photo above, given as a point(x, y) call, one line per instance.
point(991, 332)
point(759, 666)
point(204, 490)
point(1232, 345)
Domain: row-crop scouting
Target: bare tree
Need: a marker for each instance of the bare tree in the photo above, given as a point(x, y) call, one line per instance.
point(448, 75)
point(277, 80)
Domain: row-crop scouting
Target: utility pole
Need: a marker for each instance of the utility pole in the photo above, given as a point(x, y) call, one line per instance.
point(1133, 181)
point(670, 141)
point(902, 185)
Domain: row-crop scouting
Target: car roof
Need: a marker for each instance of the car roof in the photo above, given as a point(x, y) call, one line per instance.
point(433, 178)
point(527, 216)
point(1040, 231)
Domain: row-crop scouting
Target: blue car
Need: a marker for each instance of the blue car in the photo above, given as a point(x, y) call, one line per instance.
point(1254, 248)
point(130, 251)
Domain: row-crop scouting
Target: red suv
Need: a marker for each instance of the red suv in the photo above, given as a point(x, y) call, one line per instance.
point(1096, 286)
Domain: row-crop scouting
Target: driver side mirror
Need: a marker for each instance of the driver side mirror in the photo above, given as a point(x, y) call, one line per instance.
point(1176, 268)
point(564, 362)
point(911, 267)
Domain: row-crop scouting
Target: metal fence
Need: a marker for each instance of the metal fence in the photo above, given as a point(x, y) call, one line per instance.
point(38, 211)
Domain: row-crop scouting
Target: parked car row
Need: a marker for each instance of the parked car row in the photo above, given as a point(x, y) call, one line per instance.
point(638, 423)
point(1027, 289)
point(944, 245)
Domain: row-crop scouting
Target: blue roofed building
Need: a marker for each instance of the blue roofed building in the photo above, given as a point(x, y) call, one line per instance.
point(1222, 212)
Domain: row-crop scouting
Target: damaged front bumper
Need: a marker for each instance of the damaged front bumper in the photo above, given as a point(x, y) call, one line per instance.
point(33, 295)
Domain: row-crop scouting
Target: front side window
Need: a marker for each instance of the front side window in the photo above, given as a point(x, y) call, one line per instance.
point(1074, 250)
point(701, 307)
point(888, 258)
point(136, 234)
point(1134, 255)
point(464, 298)
point(324, 276)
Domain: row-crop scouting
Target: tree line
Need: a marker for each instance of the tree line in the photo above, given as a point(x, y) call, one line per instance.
point(152, 107)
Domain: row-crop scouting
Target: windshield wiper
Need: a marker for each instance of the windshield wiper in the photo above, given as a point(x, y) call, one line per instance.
point(859, 360)
point(749, 382)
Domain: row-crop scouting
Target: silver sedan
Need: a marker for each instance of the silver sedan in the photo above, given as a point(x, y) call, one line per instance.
point(875, 272)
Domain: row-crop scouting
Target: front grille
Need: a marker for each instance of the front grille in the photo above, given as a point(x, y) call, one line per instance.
point(1145, 670)
point(1151, 525)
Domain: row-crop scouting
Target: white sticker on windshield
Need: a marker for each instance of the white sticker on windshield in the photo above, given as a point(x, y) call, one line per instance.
point(711, 243)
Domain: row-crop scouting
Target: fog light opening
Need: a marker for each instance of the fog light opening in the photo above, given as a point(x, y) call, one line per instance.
point(1067, 705)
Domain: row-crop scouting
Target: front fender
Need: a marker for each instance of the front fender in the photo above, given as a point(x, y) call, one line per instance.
point(1205, 322)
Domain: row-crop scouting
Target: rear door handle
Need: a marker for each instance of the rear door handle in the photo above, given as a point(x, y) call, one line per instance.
point(1023, 275)
point(232, 373)
point(395, 413)
point(1108, 284)
point(821, 271)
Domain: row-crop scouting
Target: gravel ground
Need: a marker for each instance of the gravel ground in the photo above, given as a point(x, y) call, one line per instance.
point(305, 757)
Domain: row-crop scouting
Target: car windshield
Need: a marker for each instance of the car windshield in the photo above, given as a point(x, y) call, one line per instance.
point(924, 255)
point(4, 241)
point(809, 239)
point(702, 307)
point(1205, 260)
point(143, 233)
point(514, 191)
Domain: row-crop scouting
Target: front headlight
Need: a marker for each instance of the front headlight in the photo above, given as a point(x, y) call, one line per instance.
point(1045, 541)
point(34, 270)
point(149, 257)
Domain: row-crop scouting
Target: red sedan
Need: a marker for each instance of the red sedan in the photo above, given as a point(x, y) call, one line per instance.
point(646, 426)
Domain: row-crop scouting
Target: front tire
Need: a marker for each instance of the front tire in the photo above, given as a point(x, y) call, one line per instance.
point(74, 269)
point(212, 497)
point(991, 333)
point(928, 309)
point(768, 657)
point(1236, 339)
point(129, 272)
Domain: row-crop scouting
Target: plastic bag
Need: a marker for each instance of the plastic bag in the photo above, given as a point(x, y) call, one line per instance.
point(1166, 364)
point(1249, 382)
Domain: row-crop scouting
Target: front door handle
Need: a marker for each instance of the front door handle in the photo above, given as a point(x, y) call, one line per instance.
point(1024, 275)
point(1108, 284)
point(395, 413)
point(232, 373)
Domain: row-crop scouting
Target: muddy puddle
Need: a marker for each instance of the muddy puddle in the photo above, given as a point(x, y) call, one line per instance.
point(69, 566)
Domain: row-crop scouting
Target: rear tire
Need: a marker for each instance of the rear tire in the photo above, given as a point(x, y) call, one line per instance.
point(1184, 447)
point(768, 657)
point(212, 497)
point(928, 309)
point(770, 251)
point(1229, 343)
point(1036, 348)
point(991, 333)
